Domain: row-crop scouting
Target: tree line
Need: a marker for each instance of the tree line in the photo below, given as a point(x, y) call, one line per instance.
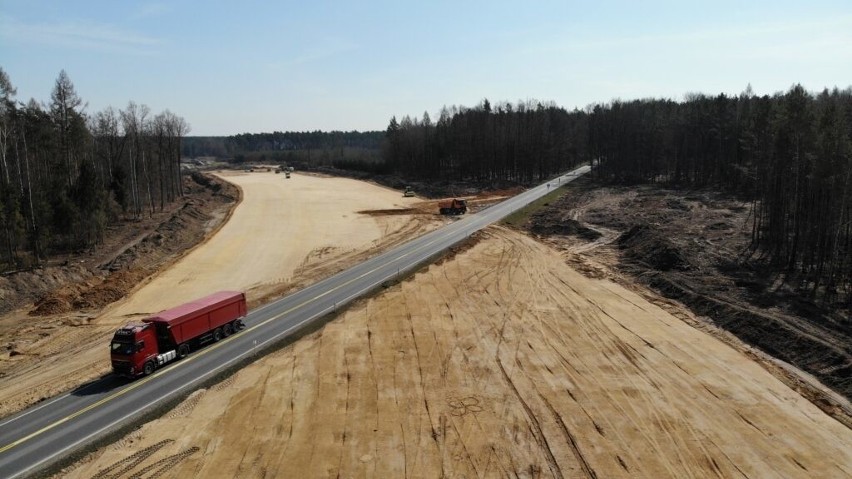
point(789, 153)
point(65, 174)
point(305, 149)
point(525, 142)
point(297, 140)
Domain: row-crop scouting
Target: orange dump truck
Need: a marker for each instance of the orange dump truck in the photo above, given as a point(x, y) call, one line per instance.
point(453, 207)
point(139, 348)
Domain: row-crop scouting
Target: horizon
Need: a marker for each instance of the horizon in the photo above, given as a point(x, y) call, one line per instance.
point(257, 68)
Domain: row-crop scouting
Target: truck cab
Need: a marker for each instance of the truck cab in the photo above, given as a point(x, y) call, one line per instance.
point(453, 207)
point(133, 350)
point(137, 349)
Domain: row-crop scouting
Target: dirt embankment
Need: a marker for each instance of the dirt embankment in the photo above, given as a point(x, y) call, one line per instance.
point(130, 250)
point(55, 323)
point(688, 246)
point(499, 361)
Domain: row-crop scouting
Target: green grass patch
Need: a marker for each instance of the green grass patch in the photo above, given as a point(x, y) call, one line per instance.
point(520, 217)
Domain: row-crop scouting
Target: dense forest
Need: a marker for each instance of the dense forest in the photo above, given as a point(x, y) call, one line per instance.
point(789, 153)
point(308, 140)
point(65, 174)
point(526, 142)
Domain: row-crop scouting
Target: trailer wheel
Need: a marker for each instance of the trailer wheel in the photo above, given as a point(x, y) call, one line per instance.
point(149, 368)
point(227, 329)
point(183, 350)
point(217, 334)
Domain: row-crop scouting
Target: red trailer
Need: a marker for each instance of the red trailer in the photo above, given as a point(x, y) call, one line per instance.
point(140, 348)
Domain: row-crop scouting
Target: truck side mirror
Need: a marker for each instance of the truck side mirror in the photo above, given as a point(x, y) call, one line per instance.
point(140, 345)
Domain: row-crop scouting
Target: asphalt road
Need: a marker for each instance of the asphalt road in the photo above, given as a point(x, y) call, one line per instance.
point(34, 439)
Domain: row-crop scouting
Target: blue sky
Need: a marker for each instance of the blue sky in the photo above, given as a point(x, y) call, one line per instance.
point(253, 66)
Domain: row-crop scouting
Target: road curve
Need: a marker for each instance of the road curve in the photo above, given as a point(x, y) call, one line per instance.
point(43, 434)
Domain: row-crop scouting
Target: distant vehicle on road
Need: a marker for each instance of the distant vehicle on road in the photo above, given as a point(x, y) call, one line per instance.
point(408, 192)
point(453, 207)
point(139, 348)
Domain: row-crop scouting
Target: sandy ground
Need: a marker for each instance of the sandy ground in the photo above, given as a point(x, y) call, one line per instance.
point(280, 226)
point(503, 361)
point(691, 246)
point(284, 233)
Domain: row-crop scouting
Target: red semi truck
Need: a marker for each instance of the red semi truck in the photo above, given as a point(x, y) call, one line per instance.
point(140, 348)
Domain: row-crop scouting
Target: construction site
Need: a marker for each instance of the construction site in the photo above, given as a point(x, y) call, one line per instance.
point(517, 354)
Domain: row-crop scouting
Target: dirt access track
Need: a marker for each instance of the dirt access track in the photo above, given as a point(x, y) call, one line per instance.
point(284, 233)
point(500, 361)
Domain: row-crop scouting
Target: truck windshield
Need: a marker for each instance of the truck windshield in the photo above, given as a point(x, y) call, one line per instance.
point(121, 348)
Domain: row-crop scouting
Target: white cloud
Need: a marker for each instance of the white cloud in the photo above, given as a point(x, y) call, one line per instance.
point(149, 10)
point(78, 35)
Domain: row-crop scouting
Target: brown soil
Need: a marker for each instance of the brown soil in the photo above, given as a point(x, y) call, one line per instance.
point(135, 250)
point(689, 246)
point(501, 360)
point(56, 305)
point(391, 212)
point(131, 248)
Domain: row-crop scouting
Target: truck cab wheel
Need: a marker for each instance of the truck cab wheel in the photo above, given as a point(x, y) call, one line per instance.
point(149, 368)
point(227, 329)
point(183, 350)
point(217, 334)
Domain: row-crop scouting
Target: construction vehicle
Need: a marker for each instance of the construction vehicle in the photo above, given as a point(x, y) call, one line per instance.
point(139, 348)
point(408, 192)
point(453, 207)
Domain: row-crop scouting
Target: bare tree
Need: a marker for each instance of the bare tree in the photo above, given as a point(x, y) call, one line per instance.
point(180, 129)
point(133, 120)
point(64, 103)
point(7, 111)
